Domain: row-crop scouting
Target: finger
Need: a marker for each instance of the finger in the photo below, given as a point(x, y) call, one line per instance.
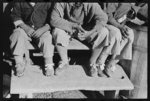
point(123, 37)
point(81, 33)
point(124, 34)
point(29, 34)
point(33, 34)
point(81, 29)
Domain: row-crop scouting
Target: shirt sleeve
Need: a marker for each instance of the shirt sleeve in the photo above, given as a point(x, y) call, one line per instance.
point(57, 18)
point(16, 14)
point(111, 11)
point(99, 15)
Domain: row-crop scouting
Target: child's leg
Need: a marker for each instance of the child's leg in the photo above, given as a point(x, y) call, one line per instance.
point(113, 49)
point(61, 41)
point(18, 47)
point(100, 42)
point(46, 46)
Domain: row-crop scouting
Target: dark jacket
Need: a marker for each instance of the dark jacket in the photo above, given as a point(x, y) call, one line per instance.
point(89, 14)
point(35, 16)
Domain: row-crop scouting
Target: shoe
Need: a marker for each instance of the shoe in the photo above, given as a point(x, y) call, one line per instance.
point(100, 68)
point(110, 68)
point(49, 69)
point(19, 69)
point(61, 68)
point(93, 71)
point(108, 72)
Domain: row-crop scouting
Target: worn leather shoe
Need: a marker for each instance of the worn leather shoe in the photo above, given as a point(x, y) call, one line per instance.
point(61, 68)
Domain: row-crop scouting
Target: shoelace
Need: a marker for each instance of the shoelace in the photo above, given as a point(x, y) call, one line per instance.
point(101, 66)
point(94, 65)
point(49, 66)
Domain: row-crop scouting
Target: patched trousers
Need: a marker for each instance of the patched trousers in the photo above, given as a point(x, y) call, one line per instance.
point(19, 43)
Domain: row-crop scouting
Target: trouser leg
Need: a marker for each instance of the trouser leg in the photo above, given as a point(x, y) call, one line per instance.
point(114, 44)
point(47, 48)
point(61, 41)
point(126, 46)
point(18, 44)
point(100, 42)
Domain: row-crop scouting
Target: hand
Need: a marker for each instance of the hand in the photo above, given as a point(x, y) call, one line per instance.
point(78, 28)
point(124, 31)
point(29, 30)
point(40, 31)
point(85, 34)
point(37, 33)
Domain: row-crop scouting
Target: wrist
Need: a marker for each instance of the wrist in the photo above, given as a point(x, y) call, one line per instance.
point(22, 25)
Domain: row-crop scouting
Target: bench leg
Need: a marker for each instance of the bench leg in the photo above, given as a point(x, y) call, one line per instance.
point(110, 94)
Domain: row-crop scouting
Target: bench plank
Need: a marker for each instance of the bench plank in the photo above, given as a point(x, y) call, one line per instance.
point(74, 78)
point(73, 45)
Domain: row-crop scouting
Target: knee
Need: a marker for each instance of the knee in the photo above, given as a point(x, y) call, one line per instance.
point(115, 33)
point(130, 35)
point(61, 37)
point(46, 37)
point(58, 32)
point(17, 34)
point(105, 31)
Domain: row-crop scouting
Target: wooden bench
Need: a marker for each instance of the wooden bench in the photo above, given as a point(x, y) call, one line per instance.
point(74, 78)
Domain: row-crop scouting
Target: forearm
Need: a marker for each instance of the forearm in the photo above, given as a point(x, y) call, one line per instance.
point(29, 30)
point(62, 24)
point(57, 18)
point(45, 28)
point(113, 22)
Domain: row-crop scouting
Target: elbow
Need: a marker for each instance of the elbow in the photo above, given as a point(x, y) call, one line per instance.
point(106, 17)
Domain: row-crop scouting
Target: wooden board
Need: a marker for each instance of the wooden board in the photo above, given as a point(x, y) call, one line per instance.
point(74, 78)
point(73, 45)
